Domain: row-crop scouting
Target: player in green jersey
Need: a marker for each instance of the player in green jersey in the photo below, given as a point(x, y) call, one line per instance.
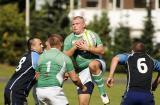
point(85, 48)
point(52, 66)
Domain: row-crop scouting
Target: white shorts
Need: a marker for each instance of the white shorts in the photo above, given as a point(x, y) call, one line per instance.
point(85, 75)
point(103, 64)
point(51, 96)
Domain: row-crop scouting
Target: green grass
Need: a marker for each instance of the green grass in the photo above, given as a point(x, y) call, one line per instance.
point(6, 70)
point(114, 93)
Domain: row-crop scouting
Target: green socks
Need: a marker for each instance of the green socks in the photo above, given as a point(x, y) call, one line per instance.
point(100, 82)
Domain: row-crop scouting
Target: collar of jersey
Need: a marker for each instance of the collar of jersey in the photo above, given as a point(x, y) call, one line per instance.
point(80, 35)
point(34, 51)
point(53, 48)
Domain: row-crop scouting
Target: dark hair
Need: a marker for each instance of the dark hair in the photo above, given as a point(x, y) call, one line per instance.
point(29, 43)
point(138, 47)
point(55, 39)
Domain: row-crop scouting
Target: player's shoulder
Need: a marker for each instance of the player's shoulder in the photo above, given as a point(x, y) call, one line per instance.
point(70, 35)
point(65, 57)
point(90, 31)
point(124, 55)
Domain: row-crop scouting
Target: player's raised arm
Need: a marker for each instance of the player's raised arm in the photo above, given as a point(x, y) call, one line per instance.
point(118, 59)
point(98, 50)
point(69, 50)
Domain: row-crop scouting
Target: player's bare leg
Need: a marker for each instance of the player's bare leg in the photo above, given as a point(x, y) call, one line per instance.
point(84, 99)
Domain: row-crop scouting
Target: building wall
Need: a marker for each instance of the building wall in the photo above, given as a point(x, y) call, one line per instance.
point(127, 15)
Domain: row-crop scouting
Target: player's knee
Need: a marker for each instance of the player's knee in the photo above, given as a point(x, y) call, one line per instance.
point(94, 66)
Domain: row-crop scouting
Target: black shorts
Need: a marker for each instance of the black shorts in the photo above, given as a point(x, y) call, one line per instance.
point(14, 97)
point(90, 87)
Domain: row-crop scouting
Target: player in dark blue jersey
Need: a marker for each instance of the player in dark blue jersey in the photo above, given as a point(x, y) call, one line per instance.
point(19, 85)
point(139, 75)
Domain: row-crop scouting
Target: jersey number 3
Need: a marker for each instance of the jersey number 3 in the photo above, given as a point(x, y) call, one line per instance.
point(141, 65)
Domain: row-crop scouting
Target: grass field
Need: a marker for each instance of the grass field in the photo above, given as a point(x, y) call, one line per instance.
point(114, 93)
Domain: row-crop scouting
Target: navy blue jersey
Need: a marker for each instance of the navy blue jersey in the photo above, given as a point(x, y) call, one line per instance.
point(140, 67)
point(24, 77)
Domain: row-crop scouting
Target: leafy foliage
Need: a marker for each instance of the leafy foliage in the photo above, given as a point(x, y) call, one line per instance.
point(12, 38)
point(101, 27)
point(122, 40)
point(148, 32)
point(51, 19)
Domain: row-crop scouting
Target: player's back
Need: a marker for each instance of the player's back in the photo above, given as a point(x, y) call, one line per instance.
point(52, 66)
point(23, 75)
point(140, 67)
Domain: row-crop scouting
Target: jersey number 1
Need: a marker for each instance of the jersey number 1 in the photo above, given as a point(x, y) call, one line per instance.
point(48, 66)
point(142, 67)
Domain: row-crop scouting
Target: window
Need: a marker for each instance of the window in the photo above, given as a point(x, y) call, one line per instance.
point(159, 3)
point(140, 3)
point(118, 3)
point(92, 3)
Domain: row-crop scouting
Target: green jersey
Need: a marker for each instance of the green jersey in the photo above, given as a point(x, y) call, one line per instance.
point(80, 58)
point(51, 66)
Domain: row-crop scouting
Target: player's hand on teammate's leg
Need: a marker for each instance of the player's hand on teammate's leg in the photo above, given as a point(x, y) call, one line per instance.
point(84, 88)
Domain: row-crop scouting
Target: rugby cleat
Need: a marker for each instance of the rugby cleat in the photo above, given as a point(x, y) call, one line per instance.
point(105, 99)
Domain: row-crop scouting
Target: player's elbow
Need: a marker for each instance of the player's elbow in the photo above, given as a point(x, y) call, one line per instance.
point(74, 79)
point(102, 52)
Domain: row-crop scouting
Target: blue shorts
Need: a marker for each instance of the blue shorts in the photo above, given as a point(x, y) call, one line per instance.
point(138, 98)
point(14, 98)
point(90, 87)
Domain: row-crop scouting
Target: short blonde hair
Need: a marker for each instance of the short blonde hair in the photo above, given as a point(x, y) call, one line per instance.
point(79, 17)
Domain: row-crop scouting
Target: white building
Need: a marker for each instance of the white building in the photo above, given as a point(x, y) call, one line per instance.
point(127, 12)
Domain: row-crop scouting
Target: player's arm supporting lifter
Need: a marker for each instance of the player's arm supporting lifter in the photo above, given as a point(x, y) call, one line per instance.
point(114, 63)
point(74, 77)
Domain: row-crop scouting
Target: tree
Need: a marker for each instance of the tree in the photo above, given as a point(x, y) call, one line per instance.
point(101, 27)
point(12, 38)
point(21, 3)
point(148, 32)
point(51, 19)
point(122, 40)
